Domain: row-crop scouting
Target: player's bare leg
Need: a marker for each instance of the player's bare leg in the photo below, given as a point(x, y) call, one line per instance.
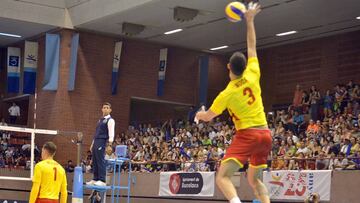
point(255, 180)
point(223, 181)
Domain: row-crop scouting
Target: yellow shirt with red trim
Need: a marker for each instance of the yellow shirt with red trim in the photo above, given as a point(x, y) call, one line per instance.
point(242, 98)
point(51, 178)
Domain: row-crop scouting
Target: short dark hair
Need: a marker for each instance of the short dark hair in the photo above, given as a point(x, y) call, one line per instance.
point(237, 63)
point(50, 147)
point(107, 104)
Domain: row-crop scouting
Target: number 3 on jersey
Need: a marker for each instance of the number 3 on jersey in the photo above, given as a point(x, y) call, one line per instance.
point(248, 91)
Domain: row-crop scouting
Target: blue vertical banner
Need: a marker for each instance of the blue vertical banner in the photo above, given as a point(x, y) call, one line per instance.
point(115, 67)
point(52, 62)
point(13, 69)
point(73, 61)
point(204, 72)
point(30, 66)
point(162, 71)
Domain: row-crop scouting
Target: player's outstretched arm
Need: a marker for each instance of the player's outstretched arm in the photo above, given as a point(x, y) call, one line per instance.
point(205, 115)
point(252, 11)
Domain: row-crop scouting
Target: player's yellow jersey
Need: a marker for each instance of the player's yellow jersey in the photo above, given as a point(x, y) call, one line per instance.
point(242, 98)
point(52, 179)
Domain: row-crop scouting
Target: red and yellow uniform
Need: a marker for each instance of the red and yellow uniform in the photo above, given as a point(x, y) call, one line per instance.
point(242, 98)
point(48, 181)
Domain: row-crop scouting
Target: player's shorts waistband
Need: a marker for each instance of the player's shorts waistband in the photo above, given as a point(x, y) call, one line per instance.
point(253, 130)
point(45, 200)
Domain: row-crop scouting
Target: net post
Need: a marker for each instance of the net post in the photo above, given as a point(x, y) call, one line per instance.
point(79, 144)
point(32, 154)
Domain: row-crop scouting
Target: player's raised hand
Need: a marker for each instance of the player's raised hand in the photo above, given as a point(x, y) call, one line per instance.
point(199, 114)
point(252, 10)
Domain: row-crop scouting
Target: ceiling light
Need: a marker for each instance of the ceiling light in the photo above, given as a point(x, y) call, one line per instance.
point(9, 35)
point(286, 33)
point(358, 17)
point(217, 48)
point(173, 31)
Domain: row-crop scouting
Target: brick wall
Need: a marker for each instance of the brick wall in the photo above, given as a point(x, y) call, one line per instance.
point(79, 110)
point(156, 112)
point(321, 62)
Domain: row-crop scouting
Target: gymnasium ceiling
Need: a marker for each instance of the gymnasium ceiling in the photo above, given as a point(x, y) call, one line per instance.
point(311, 18)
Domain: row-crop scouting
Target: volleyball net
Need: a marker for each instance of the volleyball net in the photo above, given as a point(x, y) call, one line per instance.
point(20, 149)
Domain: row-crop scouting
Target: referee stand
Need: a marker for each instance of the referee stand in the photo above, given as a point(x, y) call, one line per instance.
point(115, 187)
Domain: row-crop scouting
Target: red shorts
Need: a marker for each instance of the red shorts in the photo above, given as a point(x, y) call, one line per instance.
point(43, 200)
point(250, 143)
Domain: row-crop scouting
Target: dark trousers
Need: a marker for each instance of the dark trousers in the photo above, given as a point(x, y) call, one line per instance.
point(12, 119)
point(314, 108)
point(98, 158)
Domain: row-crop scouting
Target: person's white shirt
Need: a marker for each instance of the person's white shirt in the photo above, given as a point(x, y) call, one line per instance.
point(344, 148)
point(14, 110)
point(111, 128)
point(212, 135)
point(139, 155)
point(220, 151)
point(304, 150)
point(295, 139)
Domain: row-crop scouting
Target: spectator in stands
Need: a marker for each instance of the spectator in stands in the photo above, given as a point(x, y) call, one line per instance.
point(313, 198)
point(326, 147)
point(14, 113)
point(20, 161)
point(277, 163)
point(297, 98)
point(3, 123)
point(298, 121)
point(322, 163)
point(206, 141)
point(314, 103)
point(2, 161)
point(312, 128)
point(302, 149)
point(341, 162)
point(315, 147)
point(139, 156)
point(305, 102)
point(280, 130)
point(69, 168)
point(328, 103)
point(340, 98)
point(346, 147)
point(291, 148)
point(355, 145)
point(283, 148)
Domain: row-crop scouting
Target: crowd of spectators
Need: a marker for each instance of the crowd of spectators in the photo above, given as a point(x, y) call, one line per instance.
point(317, 131)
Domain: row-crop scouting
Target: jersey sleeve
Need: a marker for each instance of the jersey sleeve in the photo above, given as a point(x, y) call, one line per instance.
point(253, 66)
point(36, 184)
point(220, 103)
point(63, 189)
point(37, 174)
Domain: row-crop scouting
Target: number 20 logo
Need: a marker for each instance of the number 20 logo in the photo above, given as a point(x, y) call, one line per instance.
point(248, 91)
